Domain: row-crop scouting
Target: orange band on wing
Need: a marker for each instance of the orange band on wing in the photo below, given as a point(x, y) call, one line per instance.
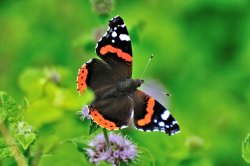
point(82, 78)
point(101, 121)
point(108, 48)
point(150, 110)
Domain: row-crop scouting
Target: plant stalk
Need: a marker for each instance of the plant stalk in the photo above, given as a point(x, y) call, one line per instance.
point(106, 137)
point(20, 159)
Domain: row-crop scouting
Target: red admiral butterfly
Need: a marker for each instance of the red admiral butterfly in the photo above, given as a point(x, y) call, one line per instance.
point(117, 98)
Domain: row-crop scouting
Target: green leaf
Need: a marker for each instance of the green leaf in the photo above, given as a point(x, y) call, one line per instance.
point(79, 142)
point(25, 139)
point(24, 105)
point(4, 149)
point(5, 153)
point(64, 98)
point(41, 112)
point(145, 157)
point(32, 81)
point(246, 149)
point(65, 154)
point(8, 108)
point(93, 127)
point(25, 135)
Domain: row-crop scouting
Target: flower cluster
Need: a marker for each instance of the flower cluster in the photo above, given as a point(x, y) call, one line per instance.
point(103, 7)
point(121, 150)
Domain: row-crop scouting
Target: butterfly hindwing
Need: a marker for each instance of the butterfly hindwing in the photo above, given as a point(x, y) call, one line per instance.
point(115, 47)
point(112, 113)
point(150, 115)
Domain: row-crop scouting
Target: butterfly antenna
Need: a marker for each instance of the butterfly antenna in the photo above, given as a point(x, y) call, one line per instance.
point(167, 94)
point(151, 57)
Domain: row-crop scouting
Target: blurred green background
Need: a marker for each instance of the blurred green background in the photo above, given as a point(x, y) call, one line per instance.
point(202, 56)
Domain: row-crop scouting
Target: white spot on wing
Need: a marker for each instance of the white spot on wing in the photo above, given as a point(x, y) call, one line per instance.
point(114, 34)
point(165, 115)
point(155, 120)
point(162, 130)
point(177, 131)
point(174, 122)
point(113, 40)
point(124, 37)
point(161, 124)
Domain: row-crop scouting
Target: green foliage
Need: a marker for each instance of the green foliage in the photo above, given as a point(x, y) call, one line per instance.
point(246, 149)
point(145, 157)
point(25, 135)
point(4, 149)
point(93, 127)
point(13, 131)
point(49, 100)
point(49, 94)
point(8, 108)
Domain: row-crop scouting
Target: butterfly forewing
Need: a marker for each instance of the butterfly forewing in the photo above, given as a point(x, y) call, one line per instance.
point(97, 75)
point(115, 47)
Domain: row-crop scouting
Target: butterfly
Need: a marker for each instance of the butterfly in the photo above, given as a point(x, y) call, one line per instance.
point(117, 99)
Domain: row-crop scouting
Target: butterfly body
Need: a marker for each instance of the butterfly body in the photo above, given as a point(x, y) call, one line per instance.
point(117, 98)
point(129, 86)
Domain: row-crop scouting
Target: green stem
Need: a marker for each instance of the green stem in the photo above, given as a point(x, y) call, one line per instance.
point(106, 137)
point(20, 159)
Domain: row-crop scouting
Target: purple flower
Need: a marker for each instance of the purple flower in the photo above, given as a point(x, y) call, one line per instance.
point(121, 150)
point(85, 113)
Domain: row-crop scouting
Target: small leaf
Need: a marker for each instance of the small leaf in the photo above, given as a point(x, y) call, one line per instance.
point(25, 135)
point(246, 149)
point(8, 108)
point(5, 153)
point(93, 127)
point(4, 150)
point(25, 139)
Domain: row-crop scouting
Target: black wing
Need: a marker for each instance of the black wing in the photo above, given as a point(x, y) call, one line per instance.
point(150, 115)
point(115, 47)
point(97, 75)
point(112, 113)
